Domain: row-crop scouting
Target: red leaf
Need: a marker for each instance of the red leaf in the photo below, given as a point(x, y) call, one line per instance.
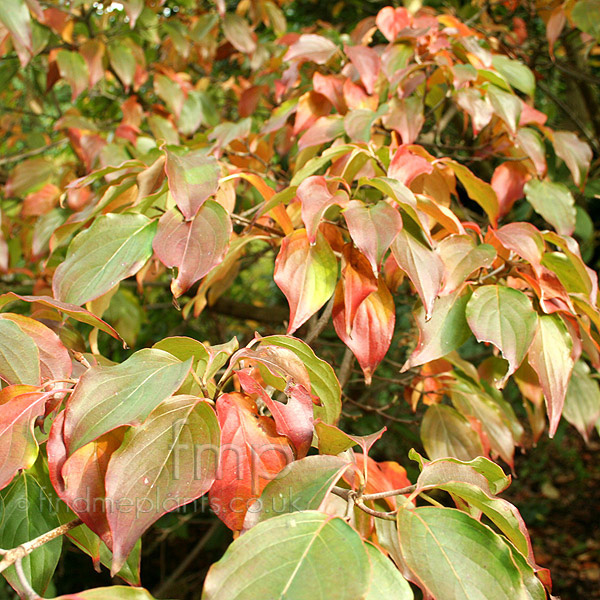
point(391, 21)
point(359, 281)
point(315, 198)
point(19, 407)
point(55, 362)
point(192, 179)
point(251, 455)
point(406, 117)
point(195, 247)
point(331, 86)
point(79, 479)
point(508, 182)
point(405, 165)
point(372, 329)
point(294, 420)
point(372, 228)
point(306, 274)
point(367, 63)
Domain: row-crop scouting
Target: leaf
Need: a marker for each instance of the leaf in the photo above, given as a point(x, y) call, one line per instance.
point(294, 419)
point(306, 274)
point(367, 63)
point(19, 356)
point(323, 381)
point(480, 471)
point(238, 33)
point(25, 513)
point(524, 240)
point(115, 247)
point(14, 15)
point(372, 329)
point(306, 555)
point(311, 47)
point(406, 166)
point(423, 266)
point(508, 181)
point(134, 9)
point(251, 455)
point(74, 70)
point(167, 462)
point(78, 477)
point(478, 190)
point(123, 61)
point(554, 202)
point(391, 21)
point(304, 485)
point(445, 432)
point(20, 405)
point(406, 117)
point(447, 330)
point(195, 247)
point(192, 177)
point(107, 397)
point(550, 357)
point(504, 317)
point(114, 592)
point(529, 140)
point(515, 72)
point(332, 440)
point(582, 402)
point(576, 154)
point(55, 361)
point(462, 258)
point(315, 198)
point(455, 557)
point(586, 16)
point(372, 228)
point(386, 581)
point(474, 403)
point(71, 310)
point(506, 105)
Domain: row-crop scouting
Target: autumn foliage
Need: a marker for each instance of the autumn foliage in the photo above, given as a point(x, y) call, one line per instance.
point(160, 145)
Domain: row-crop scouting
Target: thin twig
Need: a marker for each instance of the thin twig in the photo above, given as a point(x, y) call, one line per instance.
point(320, 324)
point(22, 155)
point(11, 556)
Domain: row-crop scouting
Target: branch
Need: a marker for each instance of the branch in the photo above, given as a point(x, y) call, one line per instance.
point(12, 556)
point(22, 155)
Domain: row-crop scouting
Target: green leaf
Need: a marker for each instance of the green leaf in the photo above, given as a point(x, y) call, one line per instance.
point(446, 330)
point(116, 246)
point(123, 61)
point(74, 70)
point(506, 105)
point(554, 202)
point(477, 471)
point(107, 397)
point(455, 557)
point(14, 15)
point(586, 16)
point(386, 581)
point(550, 357)
point(168, 461)
point(303, 485)
point(582, 403)
point(19, 356)
point(238, 33)
point(516, 73)
point(478, 190)
point(504, 317)
point(115, 592)
point(323, 382)
point(26, 512)
point(445, 432)
point(294, 556)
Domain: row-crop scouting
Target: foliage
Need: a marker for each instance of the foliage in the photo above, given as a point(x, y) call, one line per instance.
point(242, 154)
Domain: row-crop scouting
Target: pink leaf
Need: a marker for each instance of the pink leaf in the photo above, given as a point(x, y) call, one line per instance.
point(195, 247)
point(367, 63)
point(405, 165)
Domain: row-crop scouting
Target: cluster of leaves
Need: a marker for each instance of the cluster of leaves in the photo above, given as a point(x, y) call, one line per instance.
point(360, 159)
